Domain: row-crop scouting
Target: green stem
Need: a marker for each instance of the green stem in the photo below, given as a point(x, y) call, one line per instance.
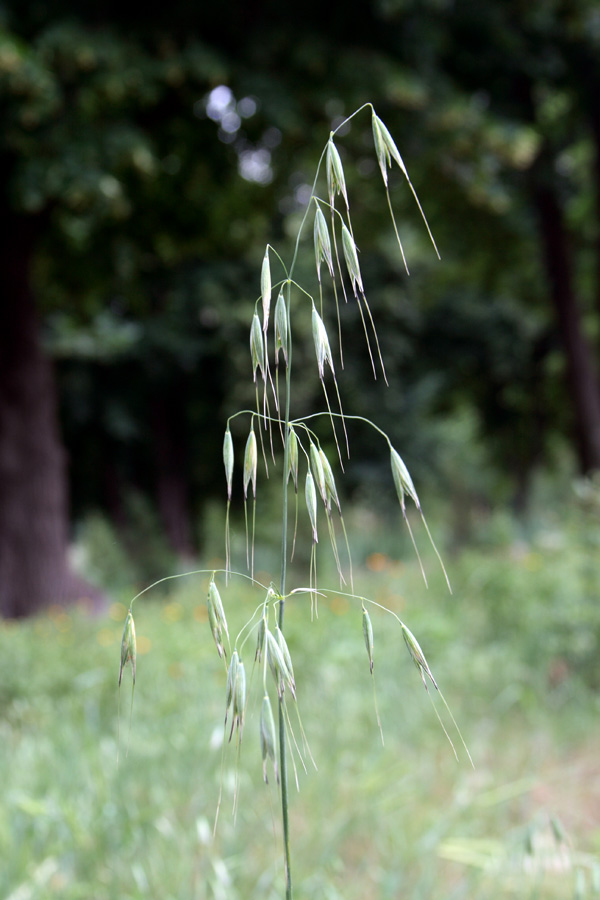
point(284, 535)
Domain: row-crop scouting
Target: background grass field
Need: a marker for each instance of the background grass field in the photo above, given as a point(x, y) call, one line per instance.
point(515, 650)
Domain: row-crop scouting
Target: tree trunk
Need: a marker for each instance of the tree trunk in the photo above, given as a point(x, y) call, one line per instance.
point(595, 128)
point(33, 492)
point(581, 375)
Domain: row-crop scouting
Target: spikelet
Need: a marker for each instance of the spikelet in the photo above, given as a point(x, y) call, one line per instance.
point(260, 640)
point(215, 627)
point(332, 493)
point(351, 257)
point(293, 458)
point(228, 461)
point(257, 347)
point(281, 329)
point(267, 737)
point(316, 467)
point(239, 700)
point(402, 480)
point(336, 181)
point(385, 148)
point(265, 289)
point(214, 598)
point(231, 678)
point(128, 647)
point(322, 243)
point(418, 657)
point(321, 341)
point(386, 151)
point(287, 659)
point(311, 504)
point(250, 463)
point(278, 666)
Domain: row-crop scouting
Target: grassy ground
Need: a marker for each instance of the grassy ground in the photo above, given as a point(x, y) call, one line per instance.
point(515, 650)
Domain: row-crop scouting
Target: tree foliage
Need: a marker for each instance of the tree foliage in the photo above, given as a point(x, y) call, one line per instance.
point(140, 156)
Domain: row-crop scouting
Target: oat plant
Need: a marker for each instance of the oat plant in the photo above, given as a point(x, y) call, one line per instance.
point(280, 441)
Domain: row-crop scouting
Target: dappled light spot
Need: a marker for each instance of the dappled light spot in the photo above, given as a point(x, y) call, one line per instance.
point(172, 612)
point(143, 645)
point(339, 605)
point(395, 602)
point(117, 612)
point(377, 562)
point(106, 637)
point(396, 568)
point(200, 614)
point(60, 619)
point(176, 670)
point(533, 562)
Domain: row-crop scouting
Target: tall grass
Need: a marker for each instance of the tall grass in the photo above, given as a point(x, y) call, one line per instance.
point(307, 469)
point(255, 654)
point(400, 819)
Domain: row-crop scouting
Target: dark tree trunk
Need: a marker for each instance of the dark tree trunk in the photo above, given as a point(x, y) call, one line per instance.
point(581, 375)
point(595, 127)
point(33, 492)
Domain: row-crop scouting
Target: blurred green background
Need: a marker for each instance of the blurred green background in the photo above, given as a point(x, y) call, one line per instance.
point(148, 156)
point(94, 808)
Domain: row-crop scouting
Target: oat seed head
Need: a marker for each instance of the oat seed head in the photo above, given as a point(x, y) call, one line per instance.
point(316, 467)
point(336, 181)
point(402, 479)
point(332, 493)
point(286, 655)
point(215, 598)
point(322, 243)
point(385, 147)
point(281, 328)
point(277, 663)
point(128, 647)
point(267, 736)
point(215, 627)
point(257, 347)
point(265, 288)
point(382, 152)
point(239, 696)
point(311, 504)
point(231, 678)
point(321, 341)
point(417, 655)
point(250, 463)
point(293, 458)
point(260, 640)
point(228, 461)
point(351, 257)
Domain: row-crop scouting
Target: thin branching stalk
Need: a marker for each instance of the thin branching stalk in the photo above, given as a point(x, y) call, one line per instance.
point(281, 612)
point(273, 417)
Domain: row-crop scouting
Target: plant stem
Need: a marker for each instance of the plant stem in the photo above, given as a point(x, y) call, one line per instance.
point(284, 535)
point(284, 531)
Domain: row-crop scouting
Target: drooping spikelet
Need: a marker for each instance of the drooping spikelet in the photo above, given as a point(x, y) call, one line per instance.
point(267, 737)
point(336, 181)
point(322, 243)
point(265, 288)
point(321, 341)
point(228, 461)
point(128, 646)
point(250, 463)
point(311, 504)
point(281, 329)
